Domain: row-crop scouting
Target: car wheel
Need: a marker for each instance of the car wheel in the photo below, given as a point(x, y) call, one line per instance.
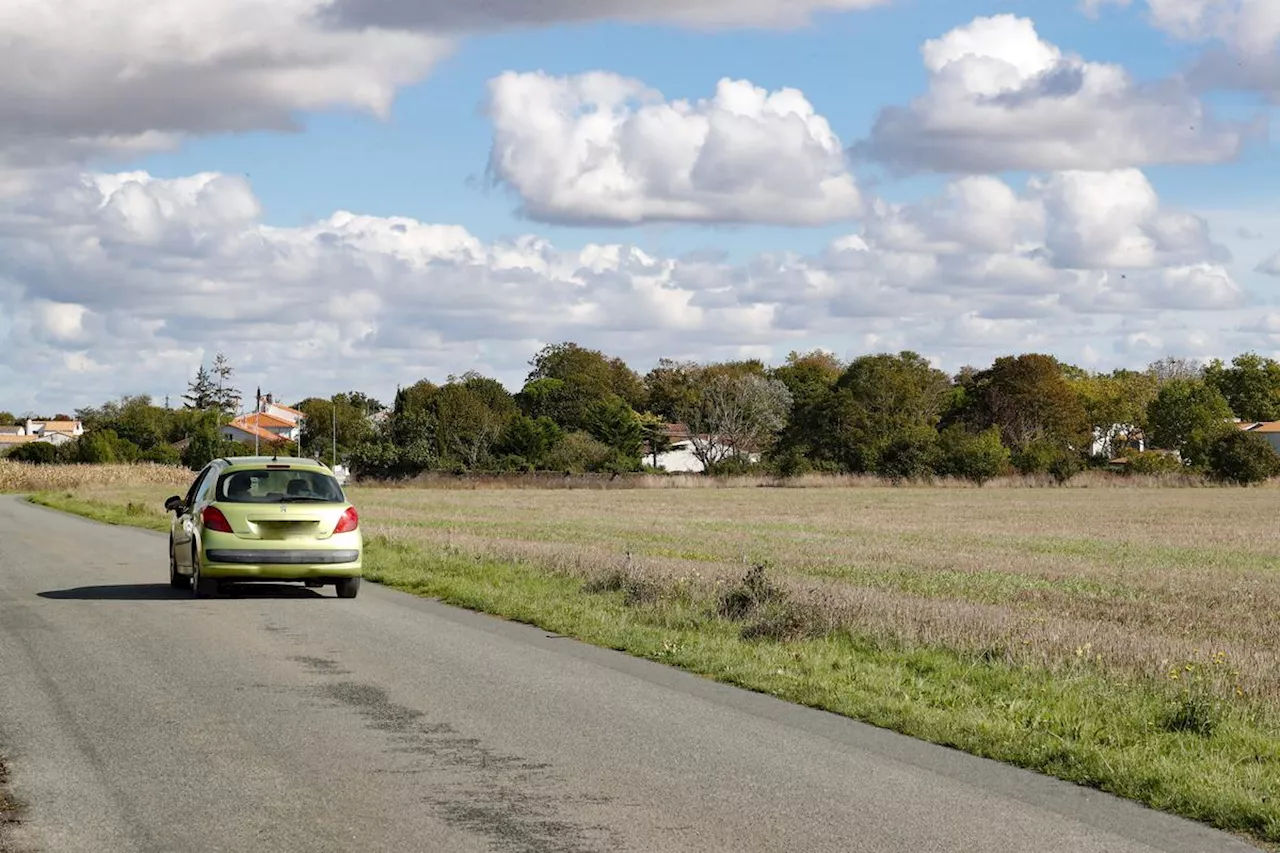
point(202, 587)
point(176, 580)
point(348, 587)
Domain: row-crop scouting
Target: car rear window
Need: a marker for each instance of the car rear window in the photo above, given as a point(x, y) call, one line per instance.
point(264, 486)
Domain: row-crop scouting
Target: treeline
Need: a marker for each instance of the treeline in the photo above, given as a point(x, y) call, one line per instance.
point(891, 415)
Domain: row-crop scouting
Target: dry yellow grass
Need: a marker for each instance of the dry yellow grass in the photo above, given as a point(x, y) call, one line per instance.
point(20, 477)
point(1136, 581)
point(1130, 582)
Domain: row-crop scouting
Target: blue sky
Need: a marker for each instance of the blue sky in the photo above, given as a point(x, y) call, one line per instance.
point(1115, 238)
point(428, 159)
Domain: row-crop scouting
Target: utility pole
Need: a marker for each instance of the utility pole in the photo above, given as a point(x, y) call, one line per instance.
point(335, 435)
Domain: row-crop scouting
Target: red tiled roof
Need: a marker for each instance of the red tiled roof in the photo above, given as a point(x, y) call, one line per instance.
point(265, 420)
point(251, 430)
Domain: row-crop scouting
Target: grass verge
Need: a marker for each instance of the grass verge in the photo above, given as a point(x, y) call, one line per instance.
point(1174, 745)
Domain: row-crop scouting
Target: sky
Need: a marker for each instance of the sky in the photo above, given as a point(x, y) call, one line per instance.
point(358, 194)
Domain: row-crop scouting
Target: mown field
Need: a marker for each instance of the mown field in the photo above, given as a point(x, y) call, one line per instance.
point(1122, 638)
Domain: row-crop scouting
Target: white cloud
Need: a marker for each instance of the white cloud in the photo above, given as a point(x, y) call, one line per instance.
point(85, 78)
point(449, 14)
point(1245, 36)
point(113, 284)
point(606, 149)
point(1001, 98)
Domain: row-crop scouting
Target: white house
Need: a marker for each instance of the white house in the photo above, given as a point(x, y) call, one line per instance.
point(58, 432)
point(273, 423)
point(680, 458)
point(1111, 440)
point(1268, 430)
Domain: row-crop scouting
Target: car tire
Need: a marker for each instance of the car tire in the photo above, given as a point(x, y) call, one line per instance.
point(348, 587)
point(176, 581)
point(201, 586)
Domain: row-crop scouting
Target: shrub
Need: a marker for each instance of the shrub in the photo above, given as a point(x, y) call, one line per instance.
point(976, 458)
point(34, 453)
point(1149, 462)
point(1243, 459)
point(578, 452)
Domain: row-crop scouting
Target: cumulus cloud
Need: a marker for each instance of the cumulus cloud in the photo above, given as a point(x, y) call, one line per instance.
point(1244, 35)
point(450, 15)
point(123, 283)
point(87, 78)
point(1271, 266)
point(600, 148)
point(1001, 98)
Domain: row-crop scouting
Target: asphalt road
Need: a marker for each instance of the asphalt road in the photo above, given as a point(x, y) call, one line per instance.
point(135, 718)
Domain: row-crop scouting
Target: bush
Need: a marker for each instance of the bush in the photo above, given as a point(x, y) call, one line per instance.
point(1151, 463)
point(578, 452)
point(34, 453)
point(1243, 459)
point(907, 453)
point(976, 458)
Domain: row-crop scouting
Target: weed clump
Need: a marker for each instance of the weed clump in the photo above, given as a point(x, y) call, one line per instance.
point(636, 589)
point(750, 596)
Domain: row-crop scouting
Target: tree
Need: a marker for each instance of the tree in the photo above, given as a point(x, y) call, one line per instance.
point(225, 396)
point(1251, 386)
point(466, 427)
point(882, 415)
point(735, 416)
point(8, 418)
point(1188, 415)
point(529, 441)
point(354, 426)
point(657, 438)
point(975, 457)
point(587, 376)
point(1115, 404)
point(811, 379)
point(201, 391)
point(615, 424)
point(672, 388)
point(1242, 458)
point(1029, 399)
point(103, 447)
point(134, 419)
point(1170, 368)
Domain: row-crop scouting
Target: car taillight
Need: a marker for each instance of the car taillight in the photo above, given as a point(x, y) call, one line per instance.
point(214, 520)
point(350, 521)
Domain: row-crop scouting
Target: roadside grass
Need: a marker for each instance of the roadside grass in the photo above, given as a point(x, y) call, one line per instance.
point(1014, 625)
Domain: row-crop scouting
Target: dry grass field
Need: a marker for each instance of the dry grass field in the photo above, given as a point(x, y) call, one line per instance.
point(1123, 638)
point(1144, 580)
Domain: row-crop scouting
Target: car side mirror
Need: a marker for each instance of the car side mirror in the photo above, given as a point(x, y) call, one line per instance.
point(173, 504)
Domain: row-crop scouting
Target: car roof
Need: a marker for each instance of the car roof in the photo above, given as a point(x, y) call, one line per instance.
point(300, 463)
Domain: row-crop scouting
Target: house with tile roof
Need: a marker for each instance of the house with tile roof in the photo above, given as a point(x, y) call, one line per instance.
point(273, 423)
point(681, 458)
point(1270, 430)
point(54, 432)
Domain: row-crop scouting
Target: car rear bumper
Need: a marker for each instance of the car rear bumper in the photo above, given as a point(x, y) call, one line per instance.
point(277, 557)
point(281, 564)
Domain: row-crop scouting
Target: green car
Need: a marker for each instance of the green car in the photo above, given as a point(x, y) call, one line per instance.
point(267, 520)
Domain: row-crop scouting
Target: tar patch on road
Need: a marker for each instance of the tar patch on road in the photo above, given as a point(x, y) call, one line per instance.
point(320, 666)
point(517, 804)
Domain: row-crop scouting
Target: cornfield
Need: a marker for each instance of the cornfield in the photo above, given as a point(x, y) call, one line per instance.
point(21, 477)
